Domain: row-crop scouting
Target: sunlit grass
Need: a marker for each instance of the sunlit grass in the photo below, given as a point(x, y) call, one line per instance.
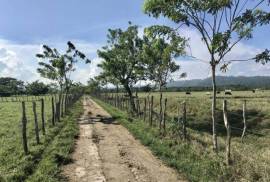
point(251, 159)
point(14, 164)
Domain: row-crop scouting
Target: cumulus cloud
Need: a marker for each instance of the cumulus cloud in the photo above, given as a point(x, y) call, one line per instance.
point(15, 62)
point(19, 61)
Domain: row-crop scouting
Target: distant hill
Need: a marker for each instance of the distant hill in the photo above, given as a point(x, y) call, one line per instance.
point(223, 81)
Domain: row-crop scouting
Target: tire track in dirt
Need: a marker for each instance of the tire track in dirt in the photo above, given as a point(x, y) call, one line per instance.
point(86, 166)
point(115, 155)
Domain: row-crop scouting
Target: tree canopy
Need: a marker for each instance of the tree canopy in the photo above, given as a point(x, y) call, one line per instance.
point(122, 58)
point(161, 46)
point(37, 88)
point(11, 86)
point(58, 67)
point(222, 24)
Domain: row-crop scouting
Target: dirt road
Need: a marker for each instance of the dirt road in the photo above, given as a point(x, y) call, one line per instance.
point(106, 151)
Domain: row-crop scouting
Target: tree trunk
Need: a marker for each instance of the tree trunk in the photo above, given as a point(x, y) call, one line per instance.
point(132, 103)
point(214, 103)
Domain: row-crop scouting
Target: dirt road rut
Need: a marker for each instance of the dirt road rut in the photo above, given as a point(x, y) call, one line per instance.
point(106, 151)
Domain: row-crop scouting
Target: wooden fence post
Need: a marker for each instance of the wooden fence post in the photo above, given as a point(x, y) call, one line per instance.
point(228, 128)
point(149, 108)
point(138, 108)
point(61, 105)
point(24, 127)
point(179, 115)
point(36, 122)
point(43, 117)
point(144, 110)
point(151, 111)
point(160, 111)
point(184, 121)
point(58, 110)
point(244, 120)
point(53, 112)
point(164, 115)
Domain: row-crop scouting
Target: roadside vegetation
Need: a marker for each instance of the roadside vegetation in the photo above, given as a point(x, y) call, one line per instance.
point(14, 164)
point(194, 157)
point(211, 123)
point(186, 159)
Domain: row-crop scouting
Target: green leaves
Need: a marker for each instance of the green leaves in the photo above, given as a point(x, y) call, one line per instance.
point(56, 66)
point(122, 56)
point(161, 45)
point(222, 24)
point(263, 57)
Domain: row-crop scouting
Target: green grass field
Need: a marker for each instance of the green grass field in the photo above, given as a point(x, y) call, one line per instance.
point(251, 159)
point(14, 164)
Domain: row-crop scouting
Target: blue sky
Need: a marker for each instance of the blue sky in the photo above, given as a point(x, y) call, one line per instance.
point(25, 25)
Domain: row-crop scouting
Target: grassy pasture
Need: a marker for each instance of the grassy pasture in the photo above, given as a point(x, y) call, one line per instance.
point(251, 158)
point(14, 165)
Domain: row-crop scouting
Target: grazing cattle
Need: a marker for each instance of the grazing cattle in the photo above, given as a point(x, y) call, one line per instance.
point(218, 92)
point(188, 93)
point(208, 93)
point(254, 90)
point(228, 92)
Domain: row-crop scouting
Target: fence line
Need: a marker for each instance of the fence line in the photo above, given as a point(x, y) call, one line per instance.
point(59, 110)
point(148, 110)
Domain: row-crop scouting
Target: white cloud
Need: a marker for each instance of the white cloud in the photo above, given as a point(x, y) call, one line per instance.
point(15, 61)
point(201, 69)
point(83, 74)
point(19, 61)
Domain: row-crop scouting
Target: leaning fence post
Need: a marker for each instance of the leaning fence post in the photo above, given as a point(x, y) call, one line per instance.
point(43, 117)
point(36, 122)
point(164, 115)
point(244, 120)
point(24, 123)
point(228, 128)
point(184, 120)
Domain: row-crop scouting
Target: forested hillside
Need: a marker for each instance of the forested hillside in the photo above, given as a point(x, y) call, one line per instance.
point(250, 82)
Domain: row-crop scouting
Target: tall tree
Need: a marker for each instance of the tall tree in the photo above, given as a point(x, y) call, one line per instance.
point(58, 67)
point(161, 46)
point(222, 24)
point(10, 86)
point(122, 58)
point(36, 88)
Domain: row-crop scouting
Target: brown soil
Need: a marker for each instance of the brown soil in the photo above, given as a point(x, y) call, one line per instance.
point(106, 151)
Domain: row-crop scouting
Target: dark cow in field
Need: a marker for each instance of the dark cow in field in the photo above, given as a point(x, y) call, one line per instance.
point(188, 93)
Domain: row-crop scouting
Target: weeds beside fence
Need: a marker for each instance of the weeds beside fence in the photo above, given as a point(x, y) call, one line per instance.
point(238, 146)
point(59, 107)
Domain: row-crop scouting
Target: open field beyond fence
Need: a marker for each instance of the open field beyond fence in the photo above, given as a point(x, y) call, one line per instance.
point(250, 157)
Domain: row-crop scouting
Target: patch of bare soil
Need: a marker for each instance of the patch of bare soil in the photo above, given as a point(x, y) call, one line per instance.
point(106, 151)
